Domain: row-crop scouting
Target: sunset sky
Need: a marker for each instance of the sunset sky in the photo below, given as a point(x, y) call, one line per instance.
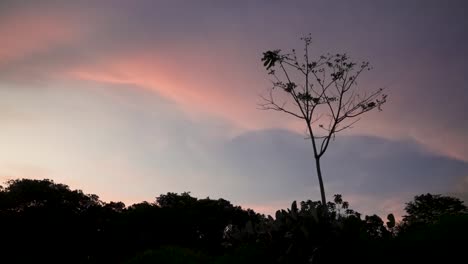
point(132, 99)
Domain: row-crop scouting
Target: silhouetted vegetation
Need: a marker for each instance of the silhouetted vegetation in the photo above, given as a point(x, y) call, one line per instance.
point(322, 92)
point(47, 222)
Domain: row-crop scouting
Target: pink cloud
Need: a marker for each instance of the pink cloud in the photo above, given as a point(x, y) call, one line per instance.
point(199, 82)
point(207, 86)
point(219, 79)
point(28, 32)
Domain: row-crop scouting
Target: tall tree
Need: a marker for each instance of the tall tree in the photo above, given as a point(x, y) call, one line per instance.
point(323, 92)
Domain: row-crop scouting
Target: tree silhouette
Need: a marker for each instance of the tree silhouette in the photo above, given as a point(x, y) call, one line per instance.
point(435, 227)
point(48, 221)
point(430, 208)
point(322, 92)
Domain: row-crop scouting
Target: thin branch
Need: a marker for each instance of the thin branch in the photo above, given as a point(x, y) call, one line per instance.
point(270, 104)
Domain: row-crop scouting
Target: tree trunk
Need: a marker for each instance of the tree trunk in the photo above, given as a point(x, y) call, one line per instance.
point(319, 175)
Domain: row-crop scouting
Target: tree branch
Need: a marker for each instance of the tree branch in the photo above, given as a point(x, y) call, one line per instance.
point(270, 104)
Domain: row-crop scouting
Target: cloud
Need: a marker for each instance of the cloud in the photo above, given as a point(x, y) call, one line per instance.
point(168, 96)
point(209, 64)
point(193, 76)
point(141, 144)
point(461, 190)
point(109, 135)
point(26, 32)
point(276, 165)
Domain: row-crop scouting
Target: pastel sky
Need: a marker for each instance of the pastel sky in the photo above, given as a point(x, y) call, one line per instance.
point(132, 99)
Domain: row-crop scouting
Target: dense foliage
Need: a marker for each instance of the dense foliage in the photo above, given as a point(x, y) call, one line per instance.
point(46, 222)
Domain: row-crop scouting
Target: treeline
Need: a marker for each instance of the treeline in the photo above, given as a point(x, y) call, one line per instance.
point(46, 222)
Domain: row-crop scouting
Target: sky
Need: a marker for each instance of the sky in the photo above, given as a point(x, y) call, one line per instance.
point(133, 99)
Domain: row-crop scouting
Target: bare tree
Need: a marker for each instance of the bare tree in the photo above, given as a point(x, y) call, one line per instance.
point(323, 92)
